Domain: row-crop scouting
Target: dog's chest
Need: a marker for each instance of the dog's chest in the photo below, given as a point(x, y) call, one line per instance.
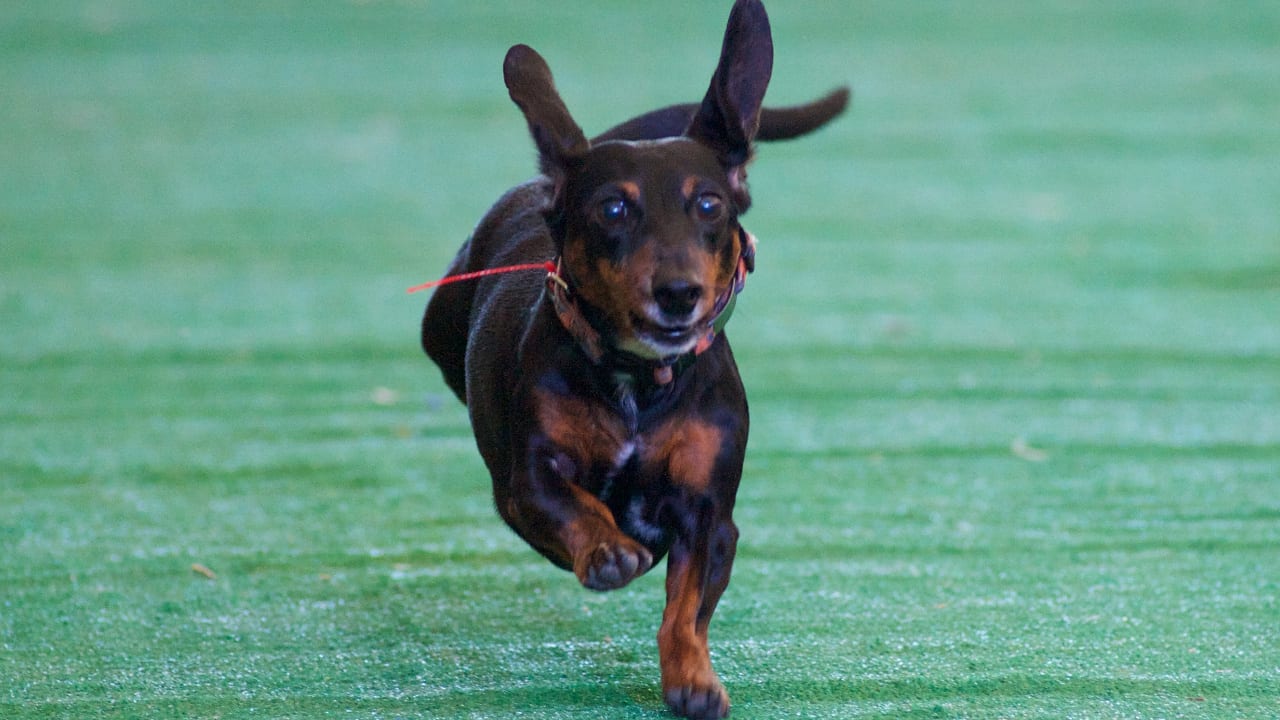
point(597, 445)
point(588, 438)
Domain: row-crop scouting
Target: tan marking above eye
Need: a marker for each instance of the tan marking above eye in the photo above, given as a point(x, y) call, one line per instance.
point(689, 186)
point(631, 190)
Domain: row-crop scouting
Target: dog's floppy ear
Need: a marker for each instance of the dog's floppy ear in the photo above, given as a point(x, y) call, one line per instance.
point(729, 116)
point(532, 88)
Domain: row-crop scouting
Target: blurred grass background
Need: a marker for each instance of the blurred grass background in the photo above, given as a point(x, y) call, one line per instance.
point(1013, 352)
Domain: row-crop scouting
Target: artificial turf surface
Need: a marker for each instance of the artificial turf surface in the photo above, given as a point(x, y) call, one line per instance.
point(1013, 353)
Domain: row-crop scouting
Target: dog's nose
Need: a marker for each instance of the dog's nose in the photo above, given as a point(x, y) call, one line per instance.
point(677, 298)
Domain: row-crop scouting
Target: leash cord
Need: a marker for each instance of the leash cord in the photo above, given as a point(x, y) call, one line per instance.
point(548, 266)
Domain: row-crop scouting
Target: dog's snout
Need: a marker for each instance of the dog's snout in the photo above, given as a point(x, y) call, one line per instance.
point(677, 298)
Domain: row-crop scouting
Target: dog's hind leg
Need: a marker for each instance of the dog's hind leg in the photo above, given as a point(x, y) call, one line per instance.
point(445, 326)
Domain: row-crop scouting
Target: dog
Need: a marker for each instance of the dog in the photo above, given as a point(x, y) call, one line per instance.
point(604, 397)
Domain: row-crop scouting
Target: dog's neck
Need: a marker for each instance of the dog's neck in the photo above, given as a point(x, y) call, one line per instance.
point(664, 370)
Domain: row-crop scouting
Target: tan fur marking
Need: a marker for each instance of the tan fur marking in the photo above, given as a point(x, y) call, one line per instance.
point(588, 433)
point(617, 290)
point(689, 448)
point(682, 643)
point(688, 186)
point(603, 285)
point(729, 261)
point(586, 532)
point(631, 190)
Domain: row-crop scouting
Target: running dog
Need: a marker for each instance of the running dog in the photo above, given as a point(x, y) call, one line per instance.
point(603, 394)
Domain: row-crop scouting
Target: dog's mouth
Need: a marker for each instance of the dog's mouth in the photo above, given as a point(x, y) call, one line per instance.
point(663, 339)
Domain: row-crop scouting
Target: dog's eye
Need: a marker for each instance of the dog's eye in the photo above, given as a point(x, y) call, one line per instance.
point(709, 207)
point(613, 210)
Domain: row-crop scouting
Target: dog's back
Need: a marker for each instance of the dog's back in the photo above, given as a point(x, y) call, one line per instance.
point(512, 232)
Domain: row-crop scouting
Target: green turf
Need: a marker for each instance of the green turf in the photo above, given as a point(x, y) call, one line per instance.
point(1013, 353)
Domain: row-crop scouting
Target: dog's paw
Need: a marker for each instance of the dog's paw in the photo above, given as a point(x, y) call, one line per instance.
point(707, 701)
point(610, 565)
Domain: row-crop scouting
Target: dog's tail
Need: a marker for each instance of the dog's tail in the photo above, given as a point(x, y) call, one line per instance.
point(776, 123)
point(792, 121)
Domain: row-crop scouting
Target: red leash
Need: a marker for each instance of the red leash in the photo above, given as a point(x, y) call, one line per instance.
point(547, 266)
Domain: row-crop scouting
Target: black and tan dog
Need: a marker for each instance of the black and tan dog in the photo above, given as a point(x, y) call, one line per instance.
point(604, 399)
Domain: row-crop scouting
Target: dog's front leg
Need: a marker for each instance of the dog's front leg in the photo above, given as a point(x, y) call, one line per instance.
point(697, 573)
point(572, 527)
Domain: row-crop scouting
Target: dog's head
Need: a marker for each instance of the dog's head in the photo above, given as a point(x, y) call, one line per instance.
point(648, 231)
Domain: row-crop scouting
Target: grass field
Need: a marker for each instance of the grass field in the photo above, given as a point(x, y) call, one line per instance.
point(1012, 348)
